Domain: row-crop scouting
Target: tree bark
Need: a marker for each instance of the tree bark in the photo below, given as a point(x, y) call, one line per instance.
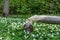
point(41, 18)
point(6, 8)
point(45, 19)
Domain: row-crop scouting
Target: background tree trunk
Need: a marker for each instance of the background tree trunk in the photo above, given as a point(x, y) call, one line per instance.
point(6, 8)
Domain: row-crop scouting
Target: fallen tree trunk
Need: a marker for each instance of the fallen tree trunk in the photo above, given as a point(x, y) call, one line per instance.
point(41, 18)
point(45, 19)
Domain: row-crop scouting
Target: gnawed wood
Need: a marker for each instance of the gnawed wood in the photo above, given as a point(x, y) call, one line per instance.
point(45, 19)
point(41, 18)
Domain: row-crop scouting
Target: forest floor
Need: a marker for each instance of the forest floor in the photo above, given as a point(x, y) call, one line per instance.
point(11, 28)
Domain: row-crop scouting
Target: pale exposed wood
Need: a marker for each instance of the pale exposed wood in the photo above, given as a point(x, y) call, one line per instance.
point(41, 18)
point(45, 19)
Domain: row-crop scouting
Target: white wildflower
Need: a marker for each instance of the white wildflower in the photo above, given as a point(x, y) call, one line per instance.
point(25, 36)
point(49, 34)
point(41, 37)
point(36, 29)
point(38, 25)
point(0, 38)
point(13, 34)
point(52, 35)
point(33, 35)
point(43, 32)
point(57, 32)
point(37, 35)
point(14, 25)
point(34, 39)
point(34, 23)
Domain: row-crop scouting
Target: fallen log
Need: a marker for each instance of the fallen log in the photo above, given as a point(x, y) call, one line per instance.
point(41, 18)
point(44, 19)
